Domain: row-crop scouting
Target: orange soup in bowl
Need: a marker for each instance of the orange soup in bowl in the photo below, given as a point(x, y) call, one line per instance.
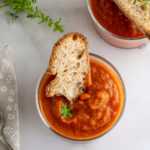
point(95, 111)
point(112, 18)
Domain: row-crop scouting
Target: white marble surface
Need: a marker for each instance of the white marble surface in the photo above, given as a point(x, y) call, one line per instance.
point(33, 44)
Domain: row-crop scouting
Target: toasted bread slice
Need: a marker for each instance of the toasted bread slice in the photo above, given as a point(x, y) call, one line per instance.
point(135, 12)
point(69, 62)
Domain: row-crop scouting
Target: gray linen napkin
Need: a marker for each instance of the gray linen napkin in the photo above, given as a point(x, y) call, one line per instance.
point(8, 97)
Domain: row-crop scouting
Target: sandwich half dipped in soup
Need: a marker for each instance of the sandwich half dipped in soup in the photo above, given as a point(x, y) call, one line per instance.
point(70, 63)
point(138, 11)
point(80, 96)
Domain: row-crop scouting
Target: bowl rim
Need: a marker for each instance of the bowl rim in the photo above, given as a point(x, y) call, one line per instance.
point(88, 139)
point(105, 30)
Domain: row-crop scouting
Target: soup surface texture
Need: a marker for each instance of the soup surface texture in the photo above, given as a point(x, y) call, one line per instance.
point(111, 18)
point(93, 113)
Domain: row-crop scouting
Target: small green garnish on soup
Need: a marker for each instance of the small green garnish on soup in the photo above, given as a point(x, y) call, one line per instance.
point(135, 1)
point(66, 111)
point(145, 2)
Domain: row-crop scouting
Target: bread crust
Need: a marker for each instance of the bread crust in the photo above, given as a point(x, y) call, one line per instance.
point(60, 41)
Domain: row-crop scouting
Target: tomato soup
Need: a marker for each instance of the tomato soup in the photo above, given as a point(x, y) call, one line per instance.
point(93, 113)
point(111, 18)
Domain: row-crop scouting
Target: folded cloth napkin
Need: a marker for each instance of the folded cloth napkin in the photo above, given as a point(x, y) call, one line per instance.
point(8, 97)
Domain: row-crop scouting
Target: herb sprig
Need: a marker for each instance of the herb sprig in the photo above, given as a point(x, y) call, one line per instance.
point(14, 7)
point(144, 3)
point(66, 111)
